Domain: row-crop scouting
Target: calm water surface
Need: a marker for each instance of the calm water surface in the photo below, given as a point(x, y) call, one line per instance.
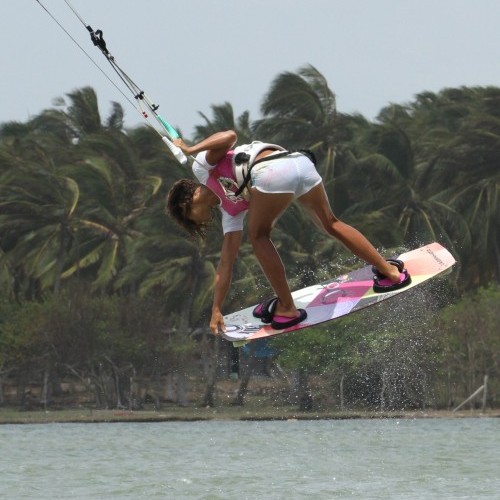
point(333, 459)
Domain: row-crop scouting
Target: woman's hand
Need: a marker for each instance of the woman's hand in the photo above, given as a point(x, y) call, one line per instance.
point(223, 275)
point(216, 146)
point(217, 322)
point(182, 146)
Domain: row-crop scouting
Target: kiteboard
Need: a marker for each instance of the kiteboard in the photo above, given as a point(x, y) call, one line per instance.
point(340, 296)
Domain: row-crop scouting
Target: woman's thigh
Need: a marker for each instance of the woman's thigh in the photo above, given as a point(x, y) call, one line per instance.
point(318, 206)
point(264, 210)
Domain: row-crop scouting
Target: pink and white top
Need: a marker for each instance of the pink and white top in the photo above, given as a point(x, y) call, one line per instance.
point(220, 180)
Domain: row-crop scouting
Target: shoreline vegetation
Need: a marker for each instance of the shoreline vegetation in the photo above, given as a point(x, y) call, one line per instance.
point(222, 413)
point(104, 303)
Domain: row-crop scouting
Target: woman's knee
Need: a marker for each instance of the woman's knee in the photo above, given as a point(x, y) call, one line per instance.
point(331, 225)
point(328, 222)
point(258, 234)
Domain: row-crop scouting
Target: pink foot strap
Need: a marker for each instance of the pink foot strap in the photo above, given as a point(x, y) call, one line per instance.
point(281, 322)
point(381, 284)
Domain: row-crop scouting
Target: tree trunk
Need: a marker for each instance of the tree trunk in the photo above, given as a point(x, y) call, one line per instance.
point(45, 400)
point(169, 387)
point(342, 392)
point(247, 367)
point(182, 399)
point(497, 255)
point(305, 395)
point(239, 399)
point(234, 363)
point(382, 391)
point(210, 363)
point(64, 237)
point(116, 383)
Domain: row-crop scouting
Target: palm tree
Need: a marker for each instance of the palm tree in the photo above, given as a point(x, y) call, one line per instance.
point(38, 205)
point(300, 110)
point(456, 132)
point(95, 191)
point(471, 160)
point(397, 187)
point(224, 119)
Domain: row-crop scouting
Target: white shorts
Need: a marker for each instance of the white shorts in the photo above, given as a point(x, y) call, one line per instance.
point(295, 174)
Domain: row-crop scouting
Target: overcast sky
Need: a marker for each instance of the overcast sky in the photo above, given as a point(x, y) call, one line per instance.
point(190, 54)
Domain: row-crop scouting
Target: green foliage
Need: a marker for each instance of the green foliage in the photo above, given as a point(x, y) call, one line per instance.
point(78, 332)
point(380, 361)
point(82, 201)
point(311, 353)
point(470, 340)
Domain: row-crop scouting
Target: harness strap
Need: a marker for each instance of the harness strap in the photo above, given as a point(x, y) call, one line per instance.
point(277, 156)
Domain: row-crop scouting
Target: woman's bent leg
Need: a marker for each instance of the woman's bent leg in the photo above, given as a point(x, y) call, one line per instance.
point(264, 210)
point(316, 202)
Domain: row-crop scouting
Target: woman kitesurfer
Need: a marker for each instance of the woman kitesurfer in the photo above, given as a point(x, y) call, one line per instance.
point(262, 179)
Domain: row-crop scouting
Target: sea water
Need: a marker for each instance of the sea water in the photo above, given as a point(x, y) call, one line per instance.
point(329, 459)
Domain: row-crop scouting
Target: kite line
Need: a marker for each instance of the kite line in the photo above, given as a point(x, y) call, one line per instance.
point(143, 104)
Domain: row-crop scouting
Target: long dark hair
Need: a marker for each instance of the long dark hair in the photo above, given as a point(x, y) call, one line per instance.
point(178, 205)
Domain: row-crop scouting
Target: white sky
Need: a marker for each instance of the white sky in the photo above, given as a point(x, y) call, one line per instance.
point(190, 54)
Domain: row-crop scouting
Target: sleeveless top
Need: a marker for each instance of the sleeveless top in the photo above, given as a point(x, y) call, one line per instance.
point(220, 180)
point(224, 179)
